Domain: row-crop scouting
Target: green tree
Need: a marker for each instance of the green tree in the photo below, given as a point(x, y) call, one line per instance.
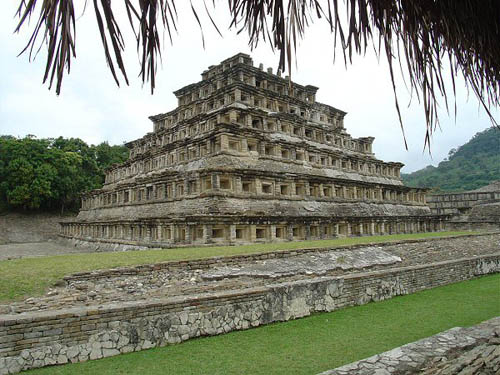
point(107, 155)
point(52, 173)
point(471, 166)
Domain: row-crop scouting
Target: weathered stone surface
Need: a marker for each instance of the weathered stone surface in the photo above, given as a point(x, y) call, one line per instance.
point(310, 264)
point(209, 275)
point(465, 351)
point(476, 205)
point(134, 324)
point(241, 162)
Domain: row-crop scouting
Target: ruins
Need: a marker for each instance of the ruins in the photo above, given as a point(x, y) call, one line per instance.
point(464, 202)
point(248, 156)
point(477, 209)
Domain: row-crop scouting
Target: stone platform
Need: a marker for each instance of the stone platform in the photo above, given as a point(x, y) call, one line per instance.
point(105, 313)
point(184, 278)
point(248, 157)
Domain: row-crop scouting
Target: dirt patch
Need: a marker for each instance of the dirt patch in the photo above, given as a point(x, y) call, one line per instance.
point(38, 249)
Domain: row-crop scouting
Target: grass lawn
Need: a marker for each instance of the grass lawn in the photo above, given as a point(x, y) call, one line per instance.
point(313, 344)
point(21, 278)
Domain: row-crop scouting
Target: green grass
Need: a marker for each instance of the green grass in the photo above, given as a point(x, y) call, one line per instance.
point(313, 344)
point(21, 278)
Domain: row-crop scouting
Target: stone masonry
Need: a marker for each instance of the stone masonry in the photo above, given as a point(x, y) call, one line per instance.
point(463, 203)
point(248, 156)
point(471, 210)
point(59, 334)
point(465, 351)
point(177, 278)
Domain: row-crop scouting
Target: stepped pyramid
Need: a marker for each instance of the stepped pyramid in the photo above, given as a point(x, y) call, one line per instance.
point(248, 156)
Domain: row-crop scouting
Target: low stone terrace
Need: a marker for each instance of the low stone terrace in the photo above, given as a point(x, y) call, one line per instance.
point(233, 273)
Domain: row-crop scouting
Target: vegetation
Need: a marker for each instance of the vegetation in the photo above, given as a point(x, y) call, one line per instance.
point(313, 344)
point(52, 173)
point(419, 37)
point(32, 276)
point(471, 166)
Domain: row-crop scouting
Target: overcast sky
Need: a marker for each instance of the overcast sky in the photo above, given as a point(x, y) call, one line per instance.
point(93, 108)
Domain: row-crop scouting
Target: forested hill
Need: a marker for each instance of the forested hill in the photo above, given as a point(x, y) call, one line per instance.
point(471, 166)
point(51, 173)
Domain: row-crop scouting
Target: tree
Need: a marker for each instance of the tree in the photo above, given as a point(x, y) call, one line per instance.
point(52, 173)
point(472, 165)
point(452, 152)
point(91, 176)
point(421, 36)
point(35, 175)
point(107, 155)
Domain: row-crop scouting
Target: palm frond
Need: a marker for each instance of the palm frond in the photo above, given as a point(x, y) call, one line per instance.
point(421, 36)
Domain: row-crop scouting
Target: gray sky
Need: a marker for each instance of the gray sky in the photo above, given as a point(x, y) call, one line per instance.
point(93, 108)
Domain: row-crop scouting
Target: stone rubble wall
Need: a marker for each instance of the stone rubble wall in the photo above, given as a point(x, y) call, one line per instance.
point(486, 212)
point(31, 340)
point(467, 351)
point(237, 260)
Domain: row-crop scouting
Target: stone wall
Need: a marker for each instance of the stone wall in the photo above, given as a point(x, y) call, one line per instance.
point(473, 210)
point(446, 353)
point(486, 212)
point(244, 159)
point(238, 260)
point(40, 339)
point(464, 203)
point(458, 203)
point(17, 227)
point(472, 225)
point(157, 233)
point(241, 228)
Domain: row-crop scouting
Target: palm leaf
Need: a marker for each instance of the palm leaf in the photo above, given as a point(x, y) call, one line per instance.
point(422, 36)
